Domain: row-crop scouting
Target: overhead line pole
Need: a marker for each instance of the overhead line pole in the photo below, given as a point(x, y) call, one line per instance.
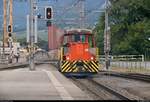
point(107, 38)
point(4, 21)
point(82, 13)
point(4, 27)
point(31, 41)
point(11, 15)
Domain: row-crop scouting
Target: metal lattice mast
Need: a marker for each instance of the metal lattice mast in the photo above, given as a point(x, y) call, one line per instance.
point(82, 13)
point(107, 37)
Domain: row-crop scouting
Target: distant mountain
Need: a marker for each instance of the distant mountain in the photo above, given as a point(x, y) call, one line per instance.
point(21, 9)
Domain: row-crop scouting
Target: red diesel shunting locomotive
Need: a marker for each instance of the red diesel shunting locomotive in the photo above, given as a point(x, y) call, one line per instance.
point(78, 52)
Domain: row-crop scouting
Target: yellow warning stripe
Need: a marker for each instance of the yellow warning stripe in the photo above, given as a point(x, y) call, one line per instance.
point(71, 65)
point(65, 67)
point(93, 62)
point(76, 69)
point(65, 64)
point(89, 67)
point(73, 68)
point(68, 67)
point(95, 67)
point(86, 64)
point(92, 67)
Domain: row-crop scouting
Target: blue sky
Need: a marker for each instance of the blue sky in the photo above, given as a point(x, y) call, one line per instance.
point(21, 9)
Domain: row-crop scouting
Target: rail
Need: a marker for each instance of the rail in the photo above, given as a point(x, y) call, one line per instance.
point(110, 90)
point(21, 65)
point(97, 88)
point(13, 66)
point(41, 57)
point(135, 76)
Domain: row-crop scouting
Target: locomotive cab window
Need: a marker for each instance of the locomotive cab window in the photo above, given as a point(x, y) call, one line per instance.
point(90, 41)
point(78, 38)
point(83, 38)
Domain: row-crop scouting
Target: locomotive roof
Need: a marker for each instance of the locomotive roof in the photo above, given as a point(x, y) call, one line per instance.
point(75, 31)
point(78, 31)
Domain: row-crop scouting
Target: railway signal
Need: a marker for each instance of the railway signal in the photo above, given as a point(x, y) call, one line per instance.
point(9, 28)
point(48, 13)
point(9, 34)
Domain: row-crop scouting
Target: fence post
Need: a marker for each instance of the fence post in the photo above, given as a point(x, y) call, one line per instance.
point(145, 64)
point(131, 65)
point(142, 58)
point(140, 66)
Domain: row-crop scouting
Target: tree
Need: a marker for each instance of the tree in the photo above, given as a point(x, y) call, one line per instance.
point(130, 23)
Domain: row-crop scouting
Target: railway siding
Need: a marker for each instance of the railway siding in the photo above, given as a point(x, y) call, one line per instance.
point(134, 89)
point(119, 90)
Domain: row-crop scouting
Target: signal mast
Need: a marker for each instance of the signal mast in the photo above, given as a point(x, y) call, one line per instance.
point(7, 28)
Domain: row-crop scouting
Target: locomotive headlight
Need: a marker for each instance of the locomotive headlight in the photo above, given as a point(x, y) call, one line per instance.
point(67, 58)
point(92, 58)
point(86, 50)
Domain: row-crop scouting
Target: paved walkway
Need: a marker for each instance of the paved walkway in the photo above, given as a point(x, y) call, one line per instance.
point(46, 83)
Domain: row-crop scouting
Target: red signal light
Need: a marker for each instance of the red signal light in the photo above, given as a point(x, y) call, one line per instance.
point(48, 13)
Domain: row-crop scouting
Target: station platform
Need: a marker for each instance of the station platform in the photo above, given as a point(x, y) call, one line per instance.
point(46, 83)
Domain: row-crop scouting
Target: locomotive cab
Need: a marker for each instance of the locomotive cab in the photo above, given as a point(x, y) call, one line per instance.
point(78, 52)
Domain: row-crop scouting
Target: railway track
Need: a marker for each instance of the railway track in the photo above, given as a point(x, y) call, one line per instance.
point(40, 57)
point(135, 76)
point(11, 67)
point(22, 65)
point(100, 90)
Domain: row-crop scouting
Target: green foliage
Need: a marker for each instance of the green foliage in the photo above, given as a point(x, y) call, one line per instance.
point(22, 41)
point(130, 27)
point(99, 30)
point(42, 44)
